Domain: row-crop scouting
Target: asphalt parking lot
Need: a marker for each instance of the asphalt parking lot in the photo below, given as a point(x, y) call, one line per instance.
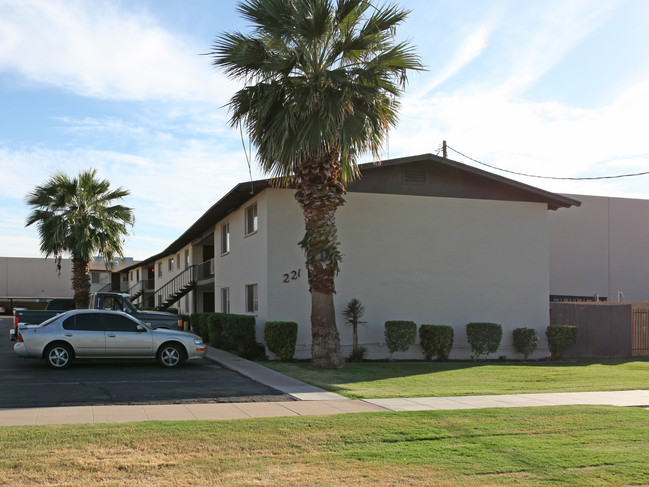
point(28, 383)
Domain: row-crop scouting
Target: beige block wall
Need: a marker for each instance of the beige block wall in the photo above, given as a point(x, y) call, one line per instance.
point(429, 260)
point(34, 277)
point(600, 249)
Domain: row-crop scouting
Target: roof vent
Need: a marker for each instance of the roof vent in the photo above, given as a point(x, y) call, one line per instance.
point(414, 175)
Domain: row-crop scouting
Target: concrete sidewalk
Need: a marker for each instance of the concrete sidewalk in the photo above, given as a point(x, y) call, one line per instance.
point(310, 400)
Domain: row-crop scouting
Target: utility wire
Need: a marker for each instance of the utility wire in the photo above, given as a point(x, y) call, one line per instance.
point(548, 177)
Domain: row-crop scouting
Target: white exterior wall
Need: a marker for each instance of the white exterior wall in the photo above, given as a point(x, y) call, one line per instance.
point(245, 263)
point(601, 248)
point(430, 260)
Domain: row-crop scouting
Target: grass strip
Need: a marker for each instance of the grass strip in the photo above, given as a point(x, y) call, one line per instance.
point(552, 446)
point(372, 380)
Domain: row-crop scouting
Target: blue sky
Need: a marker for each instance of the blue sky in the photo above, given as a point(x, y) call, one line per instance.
point(556, 88)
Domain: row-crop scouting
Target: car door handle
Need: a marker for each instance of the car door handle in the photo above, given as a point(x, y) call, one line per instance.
point(112, 336)
point(68, 334)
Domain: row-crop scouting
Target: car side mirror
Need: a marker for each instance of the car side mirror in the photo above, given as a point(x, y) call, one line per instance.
point(141, 328)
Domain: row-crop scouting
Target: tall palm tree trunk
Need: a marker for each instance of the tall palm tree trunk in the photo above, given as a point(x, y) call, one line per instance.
point(81, 282)
point(320, 193)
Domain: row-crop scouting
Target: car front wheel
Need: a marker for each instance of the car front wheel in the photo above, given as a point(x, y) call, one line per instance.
point(170, 355)
point(58, 356)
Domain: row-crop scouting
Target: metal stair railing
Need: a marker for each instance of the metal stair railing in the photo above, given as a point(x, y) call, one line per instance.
point(141, 287)
point(205, 270)
point(176, 288)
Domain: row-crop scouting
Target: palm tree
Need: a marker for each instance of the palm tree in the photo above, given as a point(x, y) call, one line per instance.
point(79, 217)
point(322, 81)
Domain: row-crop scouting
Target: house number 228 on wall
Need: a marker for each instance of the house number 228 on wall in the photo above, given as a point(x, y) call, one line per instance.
point(291, 276)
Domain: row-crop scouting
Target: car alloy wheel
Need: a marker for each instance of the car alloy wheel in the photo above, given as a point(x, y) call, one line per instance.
point(170, 355)
point(59, 356)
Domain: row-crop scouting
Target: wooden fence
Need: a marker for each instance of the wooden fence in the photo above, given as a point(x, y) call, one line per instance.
point(605, 329)
point(640, 329)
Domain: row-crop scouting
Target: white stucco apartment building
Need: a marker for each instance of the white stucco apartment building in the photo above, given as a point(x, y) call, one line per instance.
point(423, 238)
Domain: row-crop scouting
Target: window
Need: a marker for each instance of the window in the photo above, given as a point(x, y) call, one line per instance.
point(186, 258)
point(225, 238)
point(251, 219)
point(120, 323)
point(159, 269)
point(85, 322)
point(99, 277)
point(137, 275)
point(178, 261)
point(171, 264)
point(225, 300)
point(251, 298)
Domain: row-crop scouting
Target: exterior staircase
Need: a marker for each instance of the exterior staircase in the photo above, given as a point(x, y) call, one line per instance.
point(183, 284)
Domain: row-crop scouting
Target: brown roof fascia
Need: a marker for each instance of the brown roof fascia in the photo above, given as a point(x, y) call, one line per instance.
point(243, 192)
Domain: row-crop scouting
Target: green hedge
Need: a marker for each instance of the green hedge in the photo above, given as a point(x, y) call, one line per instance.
point(525, 341)
point(233, 333)
point(561, 338)
point(436, 341)
point(484, 338)
point(281, 338)
point(399, 335)
point(238, 332)
point(215, 330)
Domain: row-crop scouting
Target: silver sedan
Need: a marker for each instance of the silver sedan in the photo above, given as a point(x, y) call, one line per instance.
point(91, 333)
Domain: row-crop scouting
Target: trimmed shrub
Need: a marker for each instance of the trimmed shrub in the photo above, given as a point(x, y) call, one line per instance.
point(436, 341)
point(484, 338)
point(194, 324)
point(172, 310)
point(399, 335)
point(203, 326)
point(215, 330)
point(280, 338)
point(561, 338)
point(525, 341)
point(238, 333)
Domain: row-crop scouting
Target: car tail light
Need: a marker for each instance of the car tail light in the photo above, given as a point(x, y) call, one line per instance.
point(20, 337)
point(180, 324)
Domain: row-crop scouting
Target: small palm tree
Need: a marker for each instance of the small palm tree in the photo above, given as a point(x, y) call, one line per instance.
point(79, 217)
point(353, 313)
point(323, 79)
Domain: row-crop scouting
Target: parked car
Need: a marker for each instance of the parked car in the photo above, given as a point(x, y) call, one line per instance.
point(91, 333)
point(3, 310)
point(102, 300)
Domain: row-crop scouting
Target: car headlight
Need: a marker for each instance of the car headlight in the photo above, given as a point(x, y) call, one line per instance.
point(198, 341)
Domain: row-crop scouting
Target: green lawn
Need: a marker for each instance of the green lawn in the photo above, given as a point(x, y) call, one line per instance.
point(563, 446)
point(421, 379)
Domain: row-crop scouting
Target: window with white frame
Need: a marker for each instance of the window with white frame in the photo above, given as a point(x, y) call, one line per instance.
point(178, 261)
point(225, 238)
point(251, 219)
point(171, 264)
point(225, 300)
point(252, 303)
point(186, 258)
point(159, 269)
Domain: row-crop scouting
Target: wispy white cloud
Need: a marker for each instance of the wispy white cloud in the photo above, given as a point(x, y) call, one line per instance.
point(551, 139)
point(99, 49)
point(539, 37)
point(469, 49)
